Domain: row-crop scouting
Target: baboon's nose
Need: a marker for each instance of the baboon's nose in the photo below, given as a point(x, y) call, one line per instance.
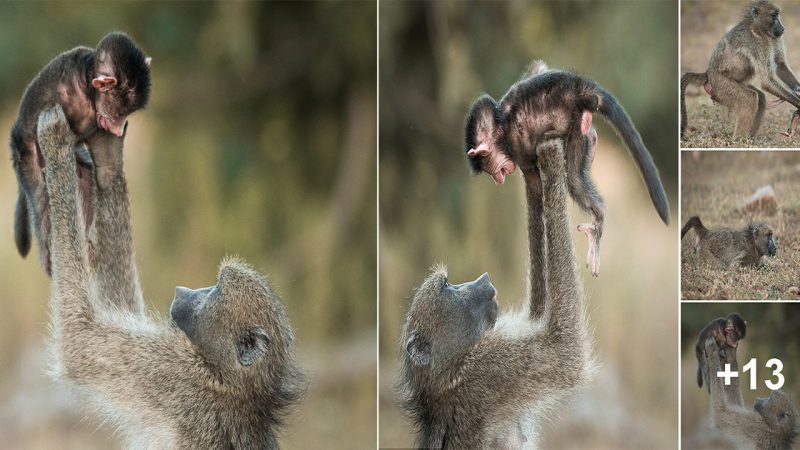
point(183, 292)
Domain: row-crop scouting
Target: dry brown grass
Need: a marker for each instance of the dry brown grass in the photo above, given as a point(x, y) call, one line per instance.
point(710, 126)
point(712, 186)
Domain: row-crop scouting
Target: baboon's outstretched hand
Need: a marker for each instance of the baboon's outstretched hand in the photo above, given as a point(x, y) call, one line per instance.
point(68, 246)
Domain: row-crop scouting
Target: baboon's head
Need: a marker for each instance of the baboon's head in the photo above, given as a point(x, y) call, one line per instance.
point(763, 239)
point(735, 329)
point(765, 19)
point(446, 320)
point(778, 413)
point(238, 325)
point(484, 141)
point(121, 81)
point(482, 129)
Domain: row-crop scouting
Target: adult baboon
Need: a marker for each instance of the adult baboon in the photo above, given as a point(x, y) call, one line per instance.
point(772, 422)
point(220, 375)
point(729, 248)
point(473, 380)
point(751, 57)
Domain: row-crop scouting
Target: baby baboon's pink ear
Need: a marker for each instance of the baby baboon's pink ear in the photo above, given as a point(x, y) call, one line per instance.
point(586, 121)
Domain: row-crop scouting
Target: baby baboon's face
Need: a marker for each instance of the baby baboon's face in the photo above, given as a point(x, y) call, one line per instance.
point(445, 319)
point(764, 240)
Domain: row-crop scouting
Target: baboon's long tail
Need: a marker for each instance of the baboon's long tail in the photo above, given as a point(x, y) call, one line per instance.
point(697, 79)
point(616, 115)
point(694, 222)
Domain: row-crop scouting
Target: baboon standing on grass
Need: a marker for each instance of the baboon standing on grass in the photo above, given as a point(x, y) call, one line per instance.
point(473, 380)
point(751, 57)
point(220, 375)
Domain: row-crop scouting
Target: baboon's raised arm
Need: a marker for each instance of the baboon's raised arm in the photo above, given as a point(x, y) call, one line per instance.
point(115, 265)
point(219, 374)
point(473, 380)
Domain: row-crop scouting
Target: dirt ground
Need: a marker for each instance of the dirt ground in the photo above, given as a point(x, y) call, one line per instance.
point(713, 185)
point(710, 126)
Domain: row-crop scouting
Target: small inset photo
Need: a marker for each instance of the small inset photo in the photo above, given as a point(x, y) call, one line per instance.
point(739, 375)
point(740, 216)
point(738, 85)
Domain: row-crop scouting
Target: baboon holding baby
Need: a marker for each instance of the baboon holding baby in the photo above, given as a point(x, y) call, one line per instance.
point(771, 424)
point(730, 248)
point(473, 379)
point(219, 375)
point(749, 59)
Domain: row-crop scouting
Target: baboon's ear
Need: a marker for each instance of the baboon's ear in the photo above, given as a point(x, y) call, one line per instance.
point(419, 350)
point(251, 345)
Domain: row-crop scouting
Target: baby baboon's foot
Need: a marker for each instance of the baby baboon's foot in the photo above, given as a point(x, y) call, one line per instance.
point(593, 255)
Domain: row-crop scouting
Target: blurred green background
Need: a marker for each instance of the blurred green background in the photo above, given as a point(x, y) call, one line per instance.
point(259, 140)
point(435, 58)
point(772, 330)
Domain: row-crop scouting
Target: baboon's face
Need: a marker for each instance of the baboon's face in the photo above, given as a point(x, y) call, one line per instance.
point(236, 323)
point(735, 330)
point(777, 411)
point(767, 18)
point(445, 320)
point(763, 237)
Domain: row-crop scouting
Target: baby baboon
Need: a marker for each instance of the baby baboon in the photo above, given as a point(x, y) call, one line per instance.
point(794, 122)
point(727, 331)
point(729, 248)
point(772, 422)
point(551, 103)
point(471, 379)
point(751, 57)
point(98, 89)
point(219, 375)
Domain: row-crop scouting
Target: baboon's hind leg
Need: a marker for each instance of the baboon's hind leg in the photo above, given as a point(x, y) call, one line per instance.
point(746, 103)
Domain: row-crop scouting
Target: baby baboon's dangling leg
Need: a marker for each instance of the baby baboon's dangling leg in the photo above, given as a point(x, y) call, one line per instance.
point(794, 122)
point(585, 194)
